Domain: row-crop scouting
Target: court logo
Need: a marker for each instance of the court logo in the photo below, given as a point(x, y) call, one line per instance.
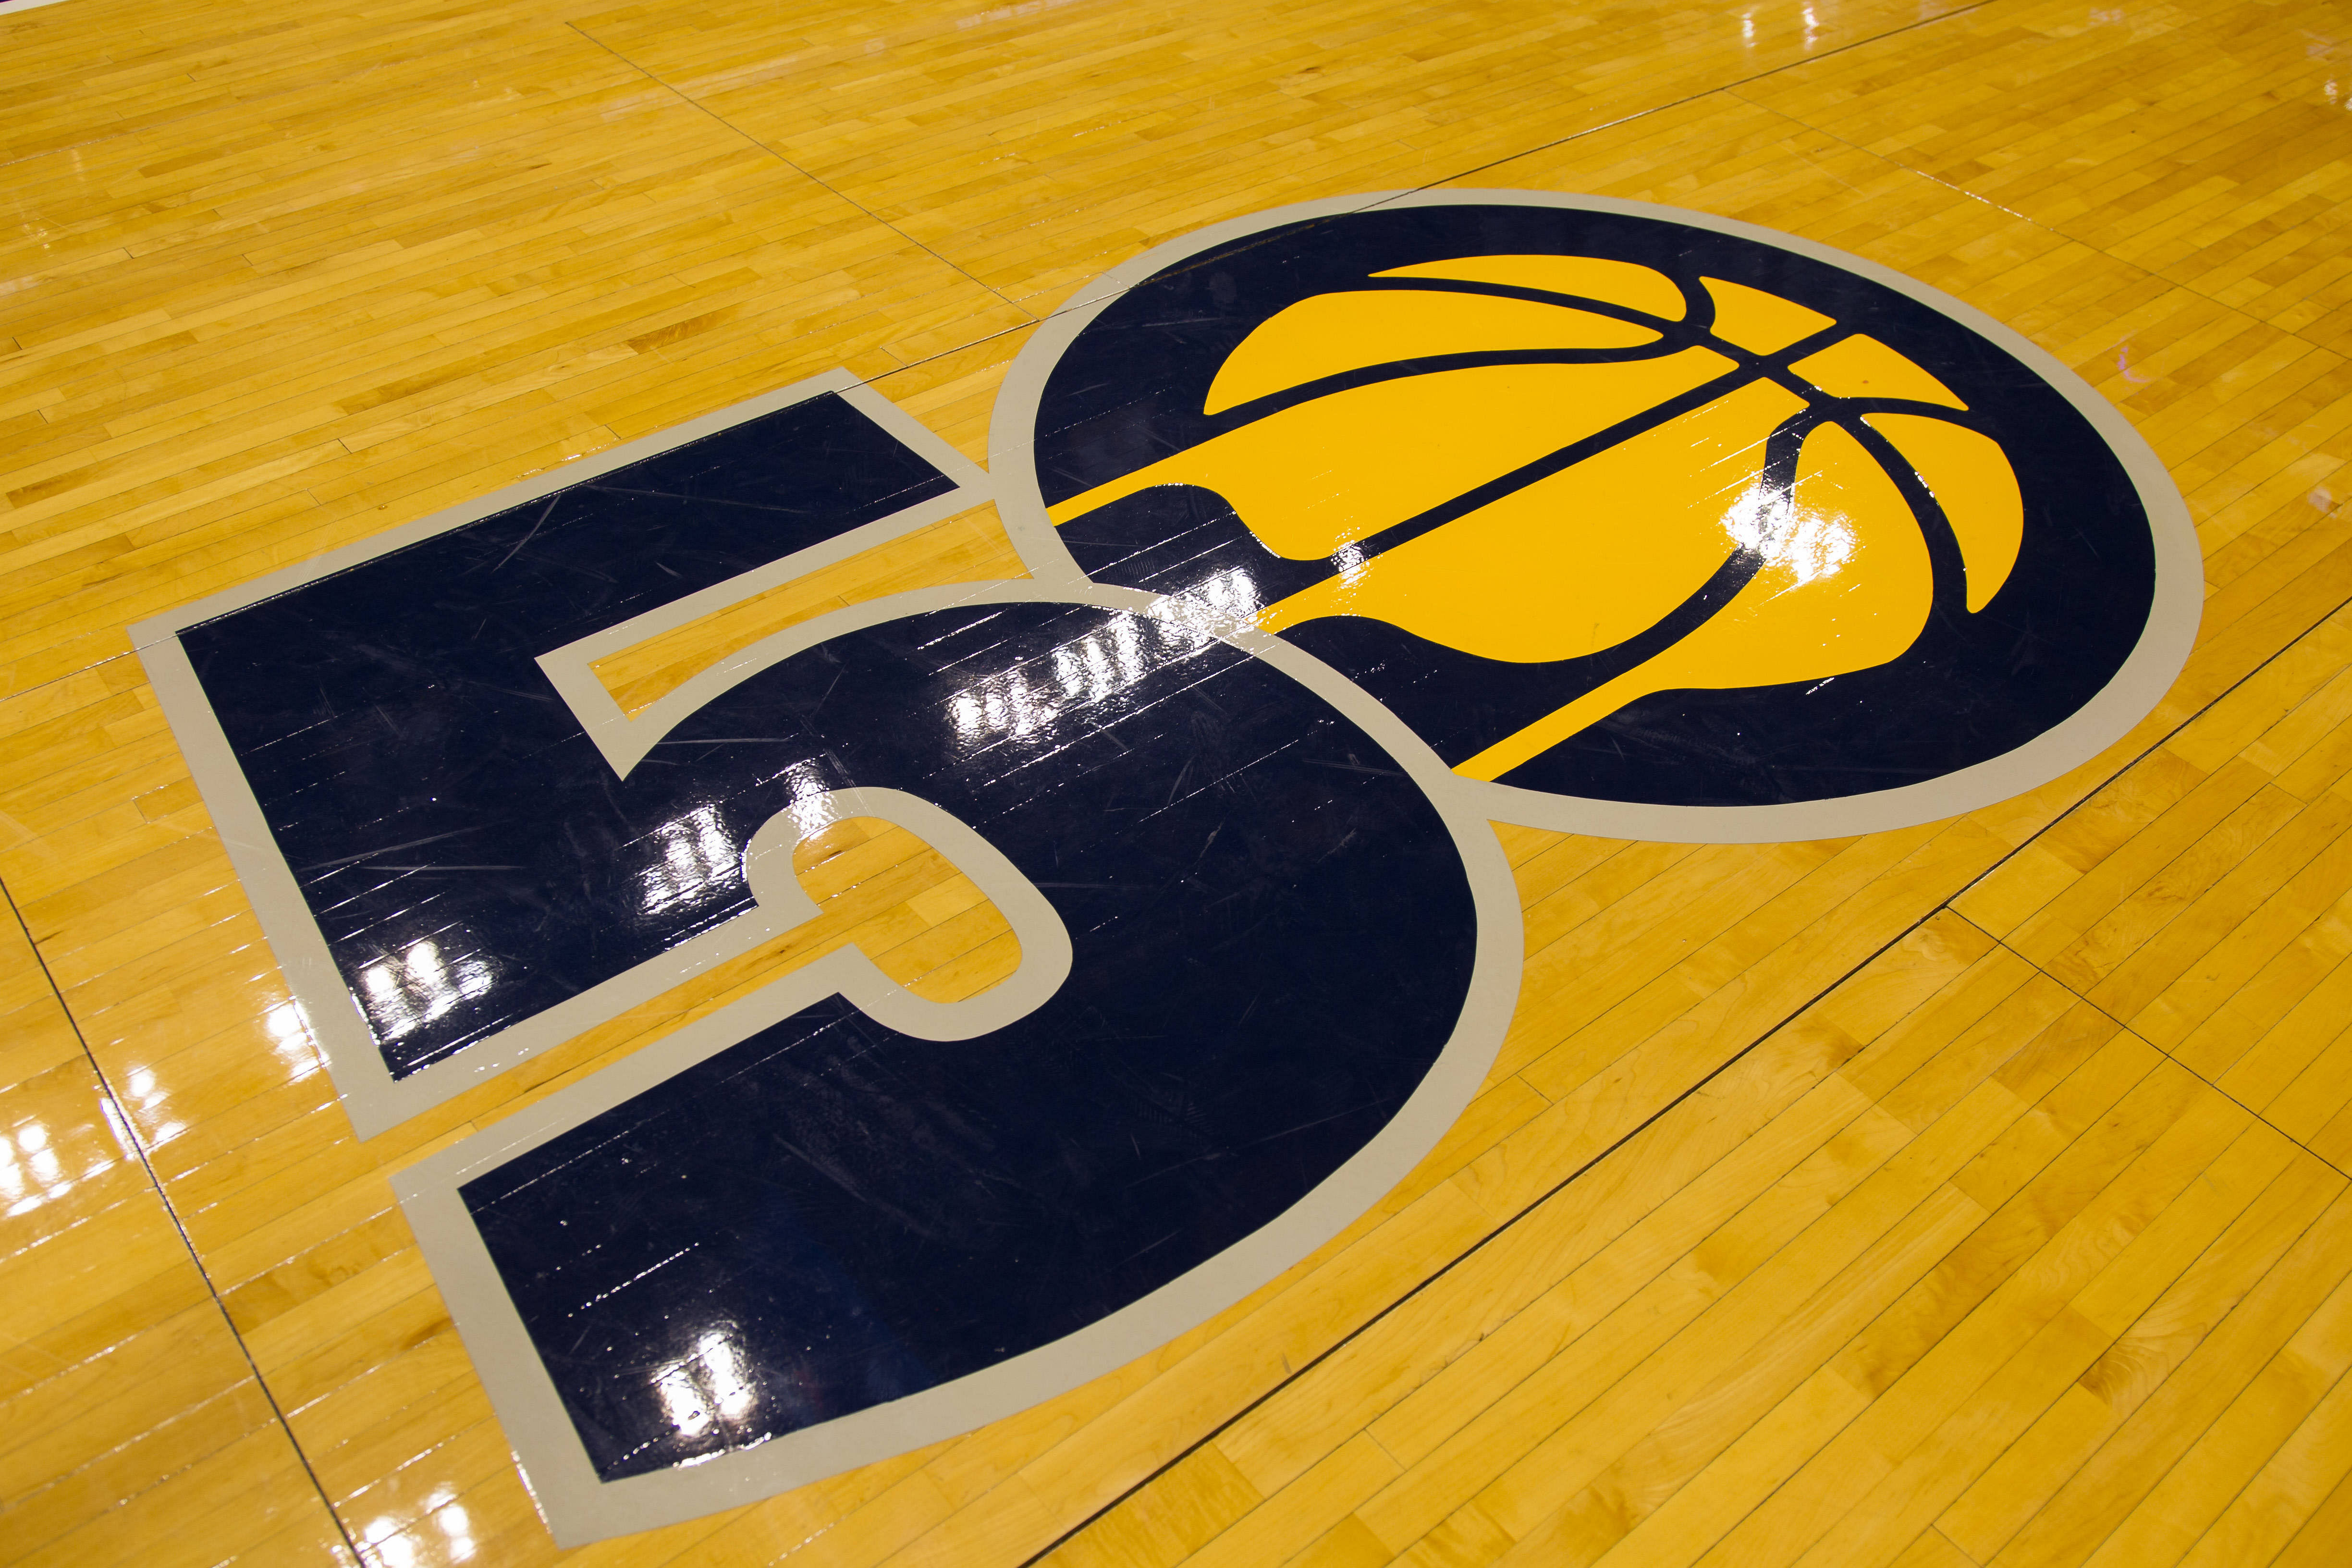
point(1350, 528)
point(1653, 522)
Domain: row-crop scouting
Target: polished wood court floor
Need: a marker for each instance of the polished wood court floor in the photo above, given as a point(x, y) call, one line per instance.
point(1975, 1194)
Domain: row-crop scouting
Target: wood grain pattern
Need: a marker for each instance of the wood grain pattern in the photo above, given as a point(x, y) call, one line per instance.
point(1973, 1194)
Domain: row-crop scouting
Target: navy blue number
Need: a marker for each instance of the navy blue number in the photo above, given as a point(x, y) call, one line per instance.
point(1272, 937)
point(465, 848)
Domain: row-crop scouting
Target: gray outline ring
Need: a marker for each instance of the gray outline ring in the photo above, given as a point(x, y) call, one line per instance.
point(580, 1508)
point(2146, 676)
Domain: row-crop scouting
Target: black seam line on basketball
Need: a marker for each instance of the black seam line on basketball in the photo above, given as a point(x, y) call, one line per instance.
point(1698, 301)
point(1946, 906)
point(1707, 601)
point(1856, 408)
point(1947, 564)
point(139, 1150)
point(1590, 304)
point(1382, 541)
point(1778, 475)
point(1228, 420)
point(685, 98)
point(1697, 320)
point(2077, 994)
point(1781, 450)
point(1673, 337)
point(1748, 369)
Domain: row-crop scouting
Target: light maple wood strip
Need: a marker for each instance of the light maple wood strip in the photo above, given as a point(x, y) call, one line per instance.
point(1100, 146)
point(2321, 1535)
point(2215, 1469)
point(1846, 1303)
point(2144, 1353)
point(2111, 1482)
point(170, 315)
point(1959, 1338)
point(1981, 1428)
point(2140, 131)
point(125, 1403)
point(970, 548)
point(2288, 1490)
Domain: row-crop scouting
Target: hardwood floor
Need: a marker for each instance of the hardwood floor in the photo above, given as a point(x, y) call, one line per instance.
point(1969, 1194)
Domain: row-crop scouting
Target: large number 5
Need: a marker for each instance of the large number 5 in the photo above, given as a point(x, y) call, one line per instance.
point(1262, 969)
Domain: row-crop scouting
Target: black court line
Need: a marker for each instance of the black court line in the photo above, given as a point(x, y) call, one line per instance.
point(130, 1133)
point(1726, 1066)
point(1727, 87)
point(2003, 944)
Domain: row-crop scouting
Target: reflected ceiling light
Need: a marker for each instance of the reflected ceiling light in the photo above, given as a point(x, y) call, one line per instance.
point(404, 995)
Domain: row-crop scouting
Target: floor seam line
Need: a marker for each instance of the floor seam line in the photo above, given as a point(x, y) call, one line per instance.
point(1523, 1212)
point(2048, 228)
point(1937, 1530)
point(2159, 1049)
point(171, 1212)
point(2150, 750)
point(2191, 1446)
point(1946, 906)
point(1728, 88)
point(685, 98)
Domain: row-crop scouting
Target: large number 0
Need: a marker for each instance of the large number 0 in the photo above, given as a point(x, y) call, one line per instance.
point(833, 1221)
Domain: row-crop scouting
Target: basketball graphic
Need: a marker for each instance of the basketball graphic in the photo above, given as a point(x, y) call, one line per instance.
point(1620, 507)
point(1735, 442)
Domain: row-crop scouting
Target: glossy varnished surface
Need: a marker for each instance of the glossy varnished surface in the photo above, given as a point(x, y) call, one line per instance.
point(1605, 505)
point(464, 850)
point(855, 1214)
point(2023, 1243)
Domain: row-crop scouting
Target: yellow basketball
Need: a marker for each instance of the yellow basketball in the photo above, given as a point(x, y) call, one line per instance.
point(1602, 549)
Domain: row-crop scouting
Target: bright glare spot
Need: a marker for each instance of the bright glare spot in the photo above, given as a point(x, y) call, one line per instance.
point(812, 806)
point(1029, 697)
point(1806, 545)
point(32, 1173)
point(731, 1388)
point(441, 1508)
point(387, 1545)
point(406, 994)
point(696, 856)
point(710, 1385)
point(683, 1400)
point(290, 1028)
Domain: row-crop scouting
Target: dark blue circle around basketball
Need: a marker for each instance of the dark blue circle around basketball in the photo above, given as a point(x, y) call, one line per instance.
point(1130, 389)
